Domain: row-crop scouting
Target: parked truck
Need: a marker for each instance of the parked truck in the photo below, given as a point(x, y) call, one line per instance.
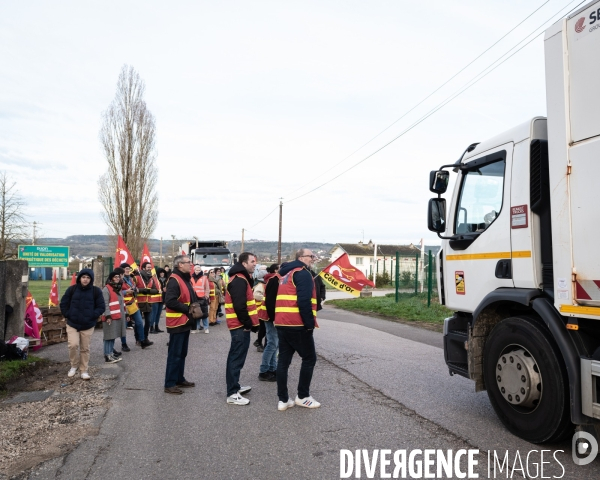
point(209, 254)
point(519, 262)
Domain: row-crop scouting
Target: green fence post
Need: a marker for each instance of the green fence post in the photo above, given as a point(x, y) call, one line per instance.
point(397, 275)
point(417, 273)
point(429, 279)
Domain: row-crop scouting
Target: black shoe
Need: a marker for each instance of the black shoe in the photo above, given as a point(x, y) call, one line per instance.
point(125, 348)
point(220, 314)
point(116, 354)
point(260, 348)
point(158, 330)
point(151, 330)
point(274, 373)
point(256, 343)
point(266, 377)
point(146, 343)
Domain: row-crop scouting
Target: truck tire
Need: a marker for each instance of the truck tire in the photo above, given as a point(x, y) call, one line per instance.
point(527, 381)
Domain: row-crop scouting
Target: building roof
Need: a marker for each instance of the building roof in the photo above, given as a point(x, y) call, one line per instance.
point(366, 249)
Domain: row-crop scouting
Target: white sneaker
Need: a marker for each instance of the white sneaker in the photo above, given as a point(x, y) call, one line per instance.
point(72, 372)
point(308, 402)
point(237, 399)
point(283, 406)
point(85, 376)
point(206, 330)
point(244, 389)
point(193, 331)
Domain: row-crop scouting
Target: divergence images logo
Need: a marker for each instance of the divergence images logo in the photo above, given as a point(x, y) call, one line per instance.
point(579, 26)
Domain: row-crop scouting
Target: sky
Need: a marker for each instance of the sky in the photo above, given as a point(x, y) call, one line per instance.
point(261, 101)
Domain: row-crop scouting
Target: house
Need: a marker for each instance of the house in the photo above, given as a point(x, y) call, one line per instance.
point(362, 256)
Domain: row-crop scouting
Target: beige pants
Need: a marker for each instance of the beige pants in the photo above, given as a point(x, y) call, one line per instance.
point(212, 310)
point(79, 347)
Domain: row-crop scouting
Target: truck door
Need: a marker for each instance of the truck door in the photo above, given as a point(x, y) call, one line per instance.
point(477, 259)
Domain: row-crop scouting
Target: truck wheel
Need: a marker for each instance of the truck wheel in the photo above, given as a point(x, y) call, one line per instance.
point(527, 381)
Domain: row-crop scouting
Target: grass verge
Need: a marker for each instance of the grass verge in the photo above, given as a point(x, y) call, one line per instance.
point(13, 369)
point(411, 307)
point(40, 289)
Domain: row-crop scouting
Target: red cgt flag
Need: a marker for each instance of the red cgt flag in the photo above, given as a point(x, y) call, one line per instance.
point(342, 275)
point(123, 255)
point(53, 300)
point(73, 279)
point(146, 257)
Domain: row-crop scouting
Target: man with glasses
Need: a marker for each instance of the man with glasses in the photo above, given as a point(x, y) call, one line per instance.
point(178, 297)
point(295, 320)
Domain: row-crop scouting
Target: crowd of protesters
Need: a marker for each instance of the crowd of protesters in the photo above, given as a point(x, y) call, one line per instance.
point(279, 303)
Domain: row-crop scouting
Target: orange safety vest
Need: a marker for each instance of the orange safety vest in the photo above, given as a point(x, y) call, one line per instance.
point(176, 319)
point(113, 304)
point(232, 318)
point(212, 291)
point(287, 313)
point(148, 298)
point(199, 286)
point(262, 310)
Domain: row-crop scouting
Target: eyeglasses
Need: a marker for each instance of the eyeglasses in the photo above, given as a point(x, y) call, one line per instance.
point(183, 263)
point(314, 257)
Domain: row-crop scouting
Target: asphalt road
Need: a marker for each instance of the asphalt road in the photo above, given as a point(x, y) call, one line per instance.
point(382, 385)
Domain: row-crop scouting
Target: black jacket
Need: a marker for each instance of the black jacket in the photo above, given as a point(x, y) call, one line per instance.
point(320, 288)
point(172, 302)
point(82, 306)
point(272, 281)
point(237, 291)
point(146, 277)
point(304, 282)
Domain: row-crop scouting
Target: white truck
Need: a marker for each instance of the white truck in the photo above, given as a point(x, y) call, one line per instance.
point(519, 262)
point(209, 254)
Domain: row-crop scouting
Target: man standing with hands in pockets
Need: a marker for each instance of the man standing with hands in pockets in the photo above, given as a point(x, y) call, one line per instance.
point(242, 317)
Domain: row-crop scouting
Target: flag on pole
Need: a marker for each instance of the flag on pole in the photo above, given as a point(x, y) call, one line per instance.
point(53, 300)
point(33, 319)
point(342, 275)
point(123, 255)
point(146, 257)
point(73, 279)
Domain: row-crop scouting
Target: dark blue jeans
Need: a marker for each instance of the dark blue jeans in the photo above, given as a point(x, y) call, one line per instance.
point(295, 340)
point(178, 349)
point(156, 311)
point(240, 341)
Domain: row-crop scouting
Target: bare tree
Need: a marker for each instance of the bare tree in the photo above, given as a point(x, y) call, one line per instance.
point(127, 190)
point(12, 220)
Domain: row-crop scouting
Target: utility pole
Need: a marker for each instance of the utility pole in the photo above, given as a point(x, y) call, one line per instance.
point(279, 242)
point(173, 247)
point(33, 236)
point(242, 241)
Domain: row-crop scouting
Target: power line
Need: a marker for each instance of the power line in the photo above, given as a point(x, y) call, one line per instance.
point(468, 85)
point(264, 218)
point(427, 97)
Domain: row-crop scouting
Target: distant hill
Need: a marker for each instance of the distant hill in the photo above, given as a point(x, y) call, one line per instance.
point(94, 245)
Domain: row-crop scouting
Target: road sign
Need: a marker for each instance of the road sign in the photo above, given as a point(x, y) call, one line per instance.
point(44, 255)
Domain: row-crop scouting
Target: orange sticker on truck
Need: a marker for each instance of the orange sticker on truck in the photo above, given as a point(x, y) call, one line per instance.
point(459, 280)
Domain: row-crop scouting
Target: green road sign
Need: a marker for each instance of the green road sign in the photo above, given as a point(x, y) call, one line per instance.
point(44, 255)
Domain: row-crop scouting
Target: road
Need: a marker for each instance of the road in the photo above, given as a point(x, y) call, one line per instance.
point(382, 385)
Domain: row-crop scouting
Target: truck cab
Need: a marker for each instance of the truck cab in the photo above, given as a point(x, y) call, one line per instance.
point(519, 262)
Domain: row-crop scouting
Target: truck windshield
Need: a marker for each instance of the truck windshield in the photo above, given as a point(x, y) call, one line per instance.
point(480, 198)
point(212, 259)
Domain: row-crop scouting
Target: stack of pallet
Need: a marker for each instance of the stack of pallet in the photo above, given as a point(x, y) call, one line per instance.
point(54, 328)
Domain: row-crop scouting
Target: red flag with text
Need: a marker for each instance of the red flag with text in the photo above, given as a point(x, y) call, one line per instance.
point(344, 276)
point(123, 255)
point(53, 300)
point(73, 279)
point(33, 320)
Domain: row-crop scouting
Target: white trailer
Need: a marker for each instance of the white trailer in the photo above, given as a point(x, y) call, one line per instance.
point(519, 262)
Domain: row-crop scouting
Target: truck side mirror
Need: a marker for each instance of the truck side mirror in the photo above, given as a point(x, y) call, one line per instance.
point(438, 181)
point(436, 215)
